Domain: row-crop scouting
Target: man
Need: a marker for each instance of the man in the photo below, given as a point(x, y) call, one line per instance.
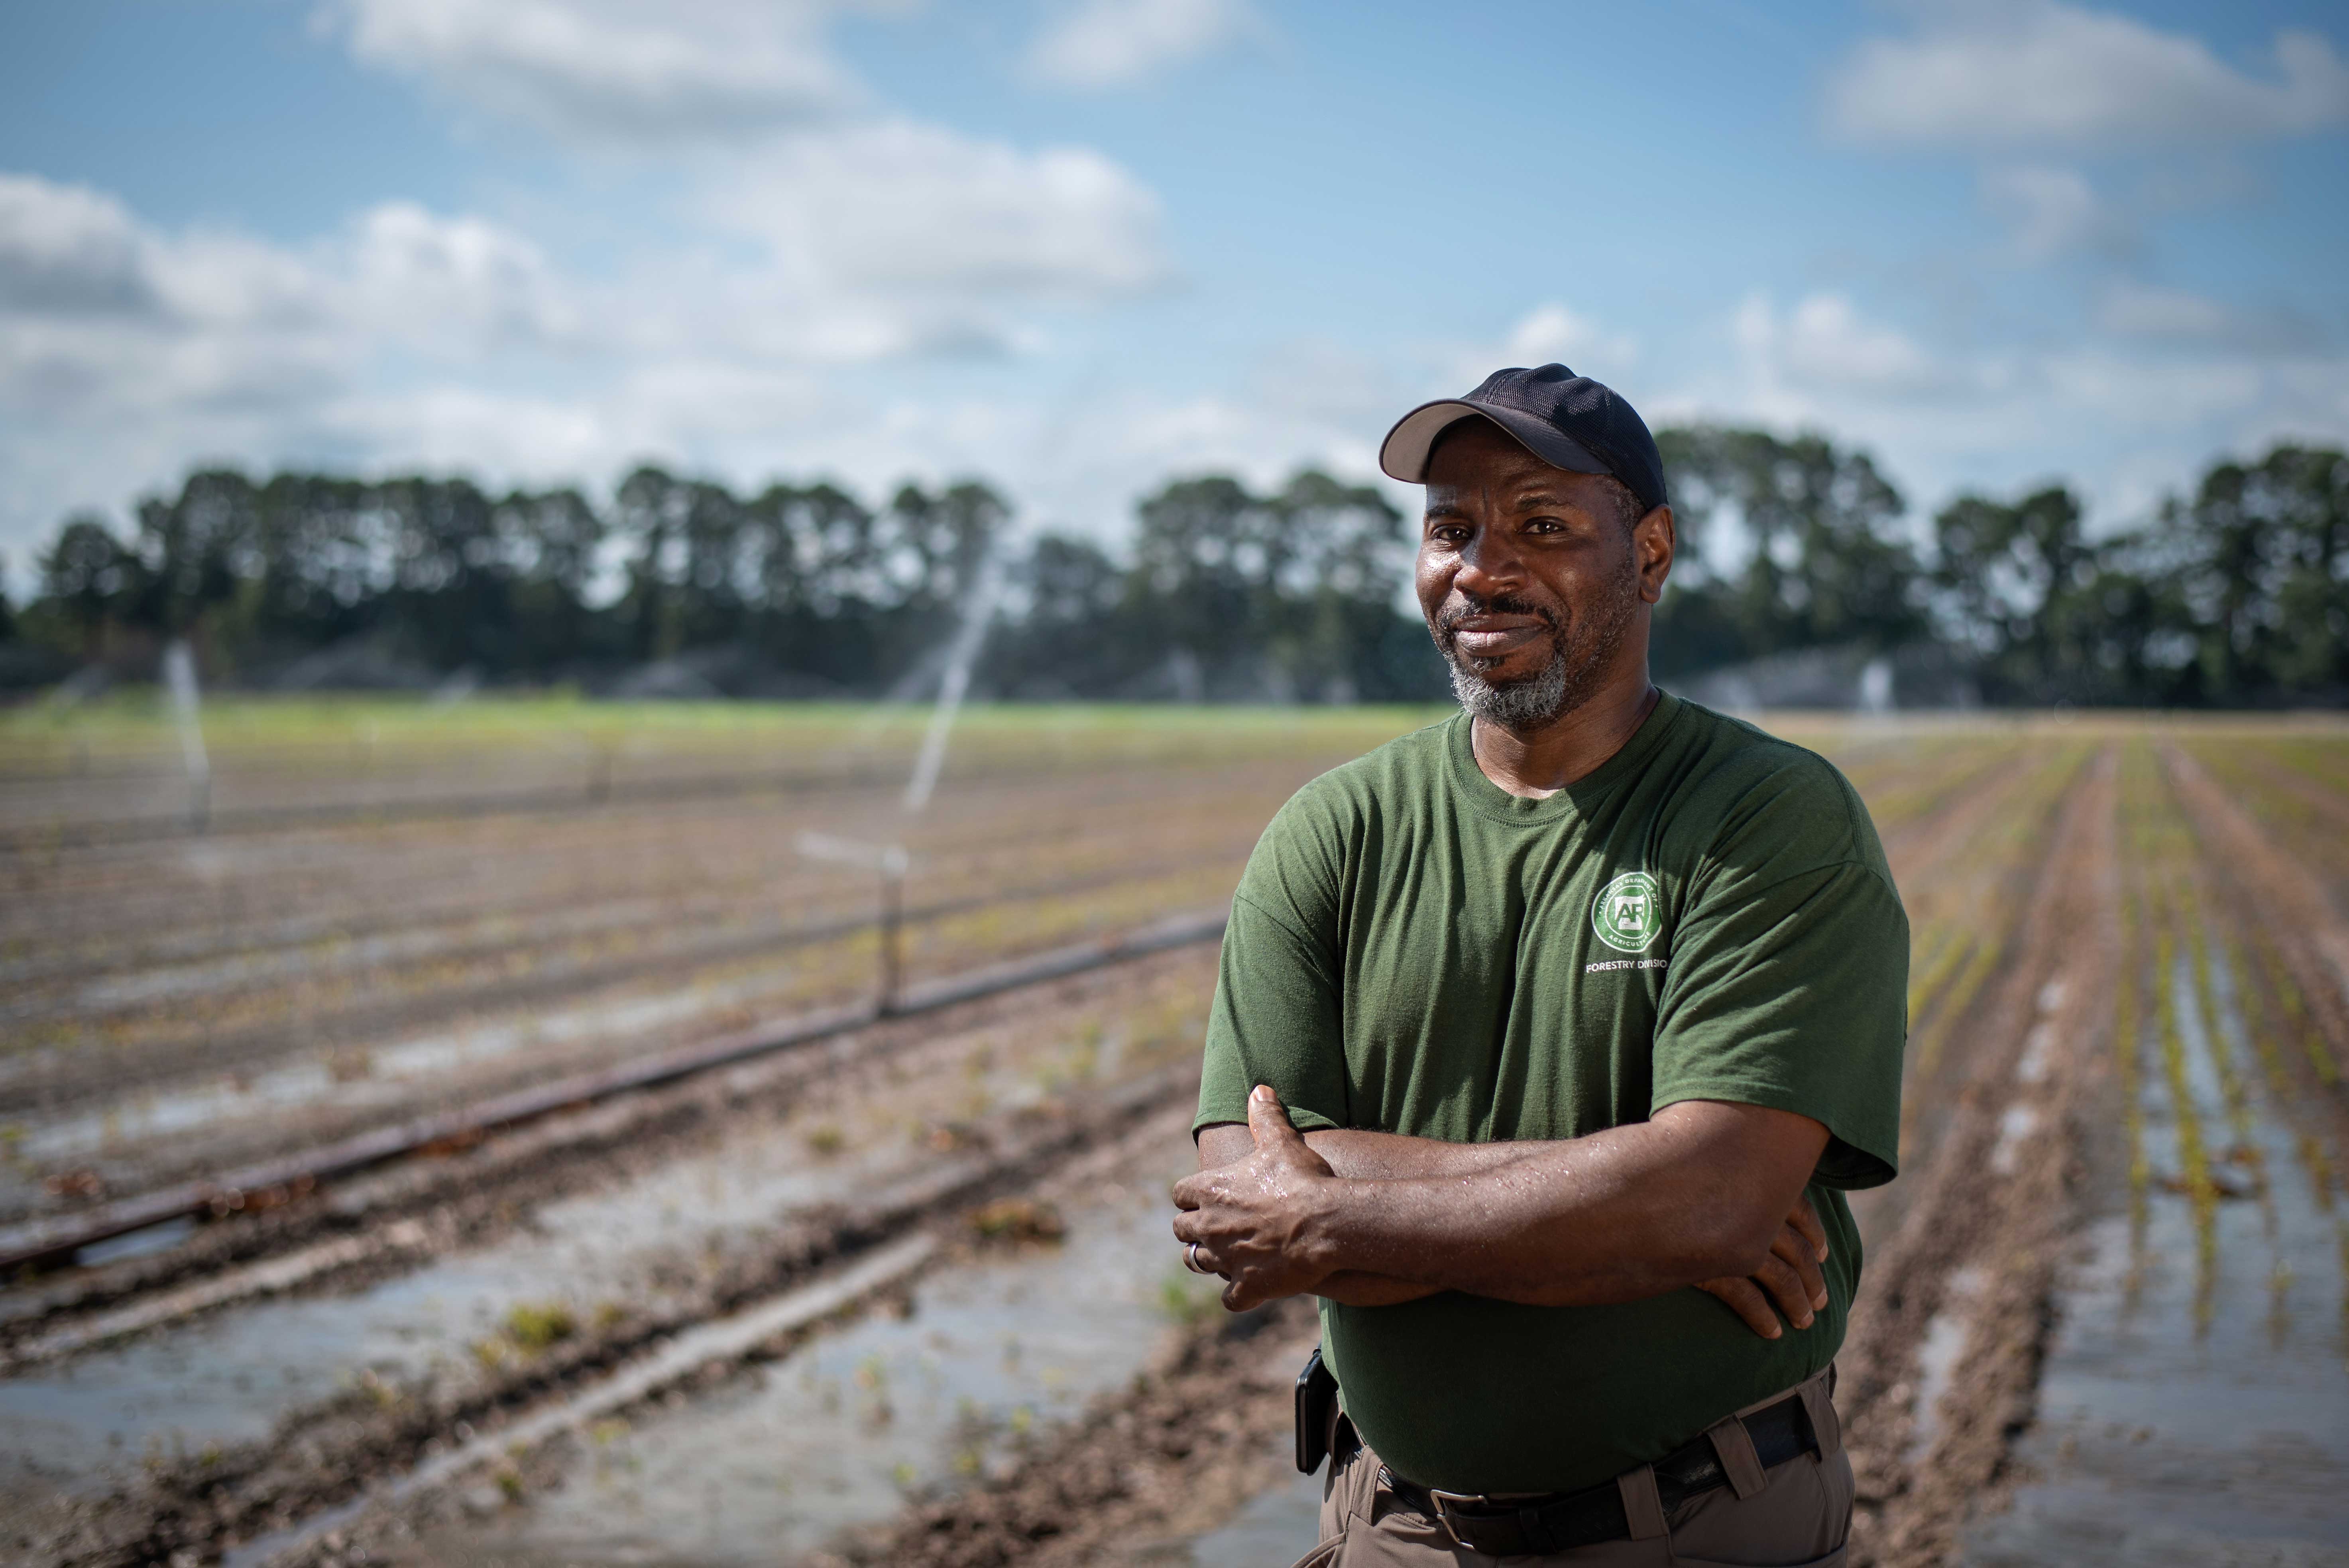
point(1546, 1042)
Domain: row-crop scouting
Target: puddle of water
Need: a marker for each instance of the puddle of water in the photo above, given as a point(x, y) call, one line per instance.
point(138, 1243)
point(2169, 1435)
point(2015, 1124)
point(2032, 1066)
point(843, 1433)
point(228, 1377)
point(1937, 1356)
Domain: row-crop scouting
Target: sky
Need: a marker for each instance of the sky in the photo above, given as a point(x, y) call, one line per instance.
point(1078, 246)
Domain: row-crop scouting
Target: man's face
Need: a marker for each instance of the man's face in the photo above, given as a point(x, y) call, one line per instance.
point(1531, 579)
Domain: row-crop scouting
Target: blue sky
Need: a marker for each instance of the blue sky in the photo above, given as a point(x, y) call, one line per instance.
point(1079, 245)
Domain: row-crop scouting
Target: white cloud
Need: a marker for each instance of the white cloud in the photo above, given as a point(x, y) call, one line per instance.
point(408, 337)
point(634, 72)
point(1098, 44)
point(2122, 417)
point(2051, 212)
point(2143, 310)
point(895, 207)
point(881, 234)
point(104, 313)
point(1550, 331)
point(2038, 72)
point(1824, 344)
point(69, 250)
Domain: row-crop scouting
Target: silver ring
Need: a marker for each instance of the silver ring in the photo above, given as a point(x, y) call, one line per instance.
point(1191, 1257)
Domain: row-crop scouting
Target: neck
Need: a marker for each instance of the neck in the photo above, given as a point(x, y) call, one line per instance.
point(1570, 747)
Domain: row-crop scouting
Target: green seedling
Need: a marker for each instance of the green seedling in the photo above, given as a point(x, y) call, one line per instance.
point(534, 1326)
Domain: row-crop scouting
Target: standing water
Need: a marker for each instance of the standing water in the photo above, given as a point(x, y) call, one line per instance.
point(2194, 1406)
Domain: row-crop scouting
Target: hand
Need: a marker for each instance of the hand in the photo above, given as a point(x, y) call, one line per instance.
point(1253, 1219)
point(1790, 1277)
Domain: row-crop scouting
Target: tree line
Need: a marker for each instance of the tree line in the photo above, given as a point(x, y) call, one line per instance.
point(2236, 594)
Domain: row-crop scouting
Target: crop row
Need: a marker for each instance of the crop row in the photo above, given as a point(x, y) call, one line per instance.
point(2203, 946)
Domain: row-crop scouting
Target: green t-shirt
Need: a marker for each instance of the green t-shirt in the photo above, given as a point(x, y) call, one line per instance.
point(1414, 950)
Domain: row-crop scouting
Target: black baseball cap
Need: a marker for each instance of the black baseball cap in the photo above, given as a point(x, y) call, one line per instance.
point(1569, 421)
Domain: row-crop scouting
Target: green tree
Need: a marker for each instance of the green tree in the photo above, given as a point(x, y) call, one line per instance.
point(550, 542)
point(2260, 560)
point(199, 548)
point(1293, 592)
point(2020, 587)
point(89, 576)
point(1825, 562)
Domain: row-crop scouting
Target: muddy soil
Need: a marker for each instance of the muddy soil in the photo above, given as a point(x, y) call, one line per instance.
point(1135, 1016)
point(2102, 1316)
point(924, 1108)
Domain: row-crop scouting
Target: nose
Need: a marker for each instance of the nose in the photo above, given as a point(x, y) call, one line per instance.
point(1489, 565)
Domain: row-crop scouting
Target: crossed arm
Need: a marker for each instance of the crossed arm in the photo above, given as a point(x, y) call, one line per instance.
point(1705, 1193)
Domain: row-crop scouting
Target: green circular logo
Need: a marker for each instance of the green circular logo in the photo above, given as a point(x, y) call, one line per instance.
point(1628, 913)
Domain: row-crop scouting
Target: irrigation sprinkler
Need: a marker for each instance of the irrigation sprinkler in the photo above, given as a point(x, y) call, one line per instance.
point(889, 861)
point(961, 655)
point(180, 674)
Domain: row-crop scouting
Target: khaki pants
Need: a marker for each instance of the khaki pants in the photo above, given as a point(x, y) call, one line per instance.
point(1798, 1514)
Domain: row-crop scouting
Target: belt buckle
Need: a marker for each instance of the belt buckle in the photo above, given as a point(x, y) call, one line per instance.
point(1443, 1505)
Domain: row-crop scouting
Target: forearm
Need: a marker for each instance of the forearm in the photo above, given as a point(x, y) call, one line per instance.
point(1364, 1156)
point(1622, 1215)
point(1361, 1155)
point(1703, 1193)
point(1391, 1156)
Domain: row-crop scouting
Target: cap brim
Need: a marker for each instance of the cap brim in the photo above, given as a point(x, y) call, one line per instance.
point(1403, 454)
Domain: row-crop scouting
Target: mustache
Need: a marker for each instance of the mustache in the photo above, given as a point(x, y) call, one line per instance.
point(1461, 605)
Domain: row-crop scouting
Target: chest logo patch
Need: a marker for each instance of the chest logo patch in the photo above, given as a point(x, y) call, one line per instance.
point(1629, 911)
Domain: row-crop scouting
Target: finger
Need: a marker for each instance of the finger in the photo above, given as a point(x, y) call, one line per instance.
point(1806, 1219)
point(1239, 1296)
point(1190, 1227)
point(1743, 1298)
point(1785, 1287)
point(1269, 1122)
point(1797, 1252)
point(1191, 1191)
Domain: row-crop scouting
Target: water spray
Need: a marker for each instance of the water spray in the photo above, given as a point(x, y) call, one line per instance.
point(890, 861)
point(179, 675)
point(960, 656)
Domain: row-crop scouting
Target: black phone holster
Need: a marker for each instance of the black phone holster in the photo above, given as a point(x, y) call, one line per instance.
point(1316, 1413)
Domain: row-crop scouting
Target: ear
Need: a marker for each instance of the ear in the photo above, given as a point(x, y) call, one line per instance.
point(1655, 539)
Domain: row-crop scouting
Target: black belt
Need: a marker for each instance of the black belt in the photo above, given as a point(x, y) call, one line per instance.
point(1560, 1522)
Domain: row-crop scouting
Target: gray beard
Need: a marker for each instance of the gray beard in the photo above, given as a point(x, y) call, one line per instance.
point(1516, 706)
point(1578, 657)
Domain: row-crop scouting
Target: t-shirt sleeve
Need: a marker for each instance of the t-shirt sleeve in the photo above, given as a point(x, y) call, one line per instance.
point(1276, 1017)
point(1788, 987)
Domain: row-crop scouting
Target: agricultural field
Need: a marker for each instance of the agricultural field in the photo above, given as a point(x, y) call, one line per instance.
point(510, 1131)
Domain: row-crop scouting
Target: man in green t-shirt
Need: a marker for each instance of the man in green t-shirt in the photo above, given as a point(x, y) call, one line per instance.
point(1547, 1042)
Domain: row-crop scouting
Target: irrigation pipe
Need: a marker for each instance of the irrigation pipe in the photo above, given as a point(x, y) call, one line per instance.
point(56, 1239)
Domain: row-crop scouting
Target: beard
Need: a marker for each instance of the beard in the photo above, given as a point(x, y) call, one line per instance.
point(1580, 650)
